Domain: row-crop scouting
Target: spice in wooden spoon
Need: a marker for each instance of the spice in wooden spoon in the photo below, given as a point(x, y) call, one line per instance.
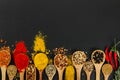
point(107, 70)
point(31, 71)
point(20, 58)
point(98, 58)
point(88, 68)
point(50, 71)
point(11, 71)
point(5, 58)
point(40, 61)
point(60, 62)
point(69, 71)
point(78, 60)
point(21, 62)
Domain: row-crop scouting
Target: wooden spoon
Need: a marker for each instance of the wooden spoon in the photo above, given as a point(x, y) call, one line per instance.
point(31, 72)
point(40, 61)
point(50, 71)
point(88, 68)
point(107, 70)
point(60, 62)
point(78, 60)
point(11, 71)
point(22, 74)
point(21, 62)
point(98, 58)
point(5, 58)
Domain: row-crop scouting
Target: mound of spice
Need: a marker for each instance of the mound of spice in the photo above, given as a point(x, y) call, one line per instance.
point(40, 61)
point(107, 69)
point(20, 47)
point(69, 72)
point(98, 56)
point(60, 50)
point(39, 43)
point(31, 72)
point(50, 71)
point(88, 66)
point(11, 71)
point(61, 61)
point(21, 61)
point(78, 57)
point(5, 56)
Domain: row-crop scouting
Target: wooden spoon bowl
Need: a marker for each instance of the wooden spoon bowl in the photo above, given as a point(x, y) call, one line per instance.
point(40, 61)
point(11, 71)
point(21, 62)
point(107, 70)
point(78, 60)
point(50, 71)
point(60, 62)
point(98, 58)
point(31, 72)
point(88, 68)
point(5, 59)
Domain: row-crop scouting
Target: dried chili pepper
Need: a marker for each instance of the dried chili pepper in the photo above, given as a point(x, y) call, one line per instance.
point(116, 60)
point(111, 59)
point(107, 54)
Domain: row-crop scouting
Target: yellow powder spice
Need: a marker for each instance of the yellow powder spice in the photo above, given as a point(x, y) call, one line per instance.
point(39, 43)
point(69, 60)
point(40, 61)
point(69, 73)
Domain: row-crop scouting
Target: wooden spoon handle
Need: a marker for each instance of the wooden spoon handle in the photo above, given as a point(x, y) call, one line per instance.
point(78, 70)
point(88, 75)
point(11, 78)
point(50, 78)
point(60, 73)
point(3, 69)
point(97, 74)
point(22, 75)
point(40, 74)
point(106, 77)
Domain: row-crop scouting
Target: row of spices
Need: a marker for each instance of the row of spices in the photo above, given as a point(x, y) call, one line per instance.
point(61, 61)
point(78, 60)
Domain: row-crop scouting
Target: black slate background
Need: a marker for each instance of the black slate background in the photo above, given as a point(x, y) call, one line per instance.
point(74, 24)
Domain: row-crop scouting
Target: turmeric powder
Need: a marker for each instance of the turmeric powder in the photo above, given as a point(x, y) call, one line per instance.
point(69, 73)
point(40, 61)
point(39, 43)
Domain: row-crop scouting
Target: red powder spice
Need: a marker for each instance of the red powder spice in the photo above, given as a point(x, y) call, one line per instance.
point(20, 48)
point(21, 61)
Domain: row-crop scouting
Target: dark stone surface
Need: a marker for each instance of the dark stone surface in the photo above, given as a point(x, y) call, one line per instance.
point(74, 24)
